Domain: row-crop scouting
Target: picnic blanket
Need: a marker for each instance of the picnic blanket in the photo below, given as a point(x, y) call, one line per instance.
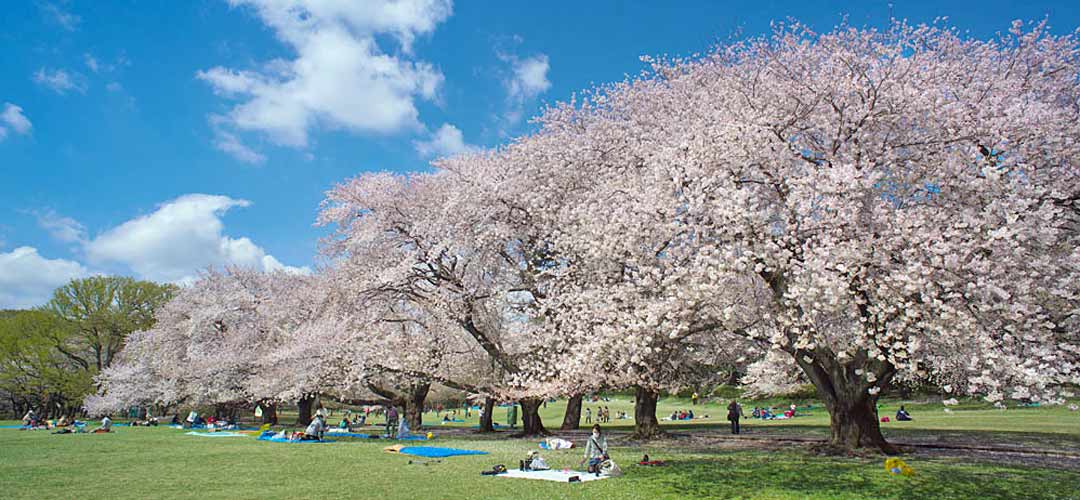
point(431, 451)
point(556, 444)
point(271, 436)
point(285, 440)
point(373, 436)
point(560, 476)
point(216, 434)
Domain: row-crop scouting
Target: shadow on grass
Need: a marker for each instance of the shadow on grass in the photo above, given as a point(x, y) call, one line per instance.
point(798, 476)
point(1021, 438)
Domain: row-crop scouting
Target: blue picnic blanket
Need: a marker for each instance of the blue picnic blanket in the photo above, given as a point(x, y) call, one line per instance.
point(373, 436)
point(436, 452)
point(270, 436)
point(216, 434)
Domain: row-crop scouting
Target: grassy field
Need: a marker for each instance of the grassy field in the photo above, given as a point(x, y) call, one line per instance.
point(163, 462)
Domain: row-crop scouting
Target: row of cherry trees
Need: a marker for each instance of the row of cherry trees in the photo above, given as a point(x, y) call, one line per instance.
point(857, 209)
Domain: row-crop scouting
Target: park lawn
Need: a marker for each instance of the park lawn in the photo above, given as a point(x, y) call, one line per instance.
point(971, 415)
point(163, 462)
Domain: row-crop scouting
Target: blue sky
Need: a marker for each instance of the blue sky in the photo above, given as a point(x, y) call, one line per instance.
point(155, 138)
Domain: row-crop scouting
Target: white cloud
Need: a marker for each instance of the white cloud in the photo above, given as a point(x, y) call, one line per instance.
point(180, 238)
point(59, 81)
point(447, 141)
point(526, 80)
point(231, 145)
point(13, 118)
point(61, 228)
point(27, 279)
point(529, 77)
point(66, 20)
point(91, 62)
point(340, 78)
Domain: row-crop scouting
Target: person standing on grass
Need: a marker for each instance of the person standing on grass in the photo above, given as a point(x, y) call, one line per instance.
point(734, 412)
point(391, 420)
point(588, 415)
point(511, 415)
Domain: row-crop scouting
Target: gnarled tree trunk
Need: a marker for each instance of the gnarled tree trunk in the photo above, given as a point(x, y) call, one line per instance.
point(853, 418)
point(531, 425)
point(413, 402)
point(486, 421)
point(854, 424)
point(572, 418)
point(305, 406)
point(646, 425)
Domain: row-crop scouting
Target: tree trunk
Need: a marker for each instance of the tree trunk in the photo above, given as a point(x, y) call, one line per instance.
point(531, 425)
point(646, 425)
point(572, 419)
point(414, 405)
point(304, 406)
point(269, 415)
point(486, 420)
point(853, 418)
point(854, 424)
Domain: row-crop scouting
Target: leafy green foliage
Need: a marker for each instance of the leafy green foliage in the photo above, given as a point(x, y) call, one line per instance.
point(49, 356)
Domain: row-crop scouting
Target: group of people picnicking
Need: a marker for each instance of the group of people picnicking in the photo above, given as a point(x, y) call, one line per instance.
point(772, 413)
point(685, 415)
point(735, 414)
point(196, 421)
point(63, 425)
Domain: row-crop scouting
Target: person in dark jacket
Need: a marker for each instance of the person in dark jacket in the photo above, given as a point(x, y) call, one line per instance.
point(902, 415)
point(734, 413)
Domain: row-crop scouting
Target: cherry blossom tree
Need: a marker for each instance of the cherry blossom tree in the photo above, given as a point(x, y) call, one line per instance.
point(447, 245)
point(880, 206)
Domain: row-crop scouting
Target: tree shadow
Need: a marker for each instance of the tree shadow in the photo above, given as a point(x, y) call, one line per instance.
point(798, 476)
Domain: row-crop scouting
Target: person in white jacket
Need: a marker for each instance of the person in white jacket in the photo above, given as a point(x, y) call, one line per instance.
point(315, 429)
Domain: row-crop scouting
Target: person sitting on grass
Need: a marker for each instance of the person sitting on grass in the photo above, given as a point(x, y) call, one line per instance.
point(106, 425)
point(345, 424)
point(596, 450)
point(902, 415)
point(315, 429)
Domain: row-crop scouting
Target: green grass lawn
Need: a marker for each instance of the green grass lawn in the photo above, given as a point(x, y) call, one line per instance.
point(163, 462)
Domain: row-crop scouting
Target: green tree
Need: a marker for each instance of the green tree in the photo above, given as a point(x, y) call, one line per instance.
point(32, 372)
point(99, 313)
